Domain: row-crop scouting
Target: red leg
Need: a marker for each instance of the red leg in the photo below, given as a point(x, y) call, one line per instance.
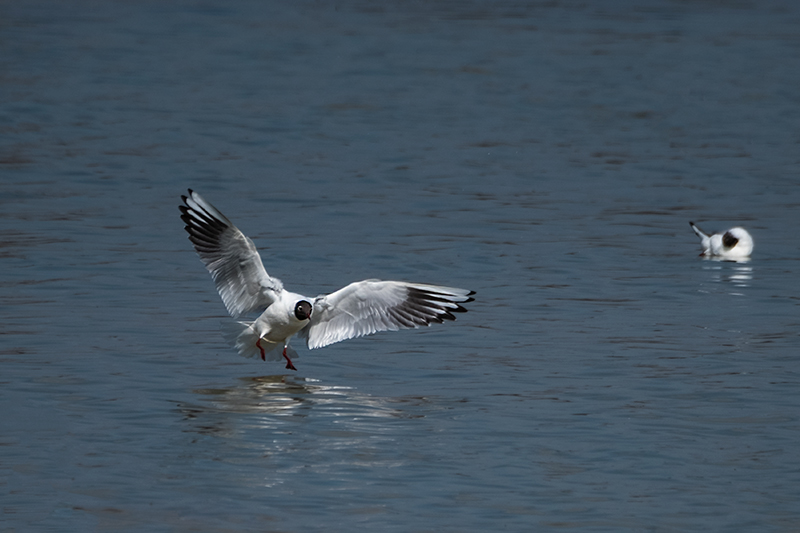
point(289, 364)
point(263, 354)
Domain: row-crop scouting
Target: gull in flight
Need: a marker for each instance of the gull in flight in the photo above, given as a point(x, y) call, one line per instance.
point(735, 244)
point(359, 309)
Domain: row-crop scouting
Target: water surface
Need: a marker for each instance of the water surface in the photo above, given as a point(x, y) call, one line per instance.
point(546, 155)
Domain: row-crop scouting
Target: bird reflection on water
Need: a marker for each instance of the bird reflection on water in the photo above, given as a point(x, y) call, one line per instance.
point(738, 273)
point(278, 400)
point(299, 424)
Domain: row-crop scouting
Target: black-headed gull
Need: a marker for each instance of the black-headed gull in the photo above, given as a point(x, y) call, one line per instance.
point(361, 308)
point(734, 244)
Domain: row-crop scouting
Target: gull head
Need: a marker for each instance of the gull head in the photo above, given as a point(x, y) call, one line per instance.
point(736, 243)
point(302, 310)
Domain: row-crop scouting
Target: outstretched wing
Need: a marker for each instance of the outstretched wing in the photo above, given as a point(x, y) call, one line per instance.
point(366, 307)
point(230, 256)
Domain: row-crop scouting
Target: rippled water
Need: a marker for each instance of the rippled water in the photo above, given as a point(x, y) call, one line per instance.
point(546, 155)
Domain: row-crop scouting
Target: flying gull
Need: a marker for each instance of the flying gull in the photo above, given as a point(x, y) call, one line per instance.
point(359, 309)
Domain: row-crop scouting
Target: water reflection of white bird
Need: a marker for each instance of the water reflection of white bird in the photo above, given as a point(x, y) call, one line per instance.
point(736, 244)
point(339, 423)
point(284, 395)
point(739, 274)
point(359, 309)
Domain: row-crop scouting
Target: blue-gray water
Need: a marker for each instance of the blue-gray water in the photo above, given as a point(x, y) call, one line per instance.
point(546, 155)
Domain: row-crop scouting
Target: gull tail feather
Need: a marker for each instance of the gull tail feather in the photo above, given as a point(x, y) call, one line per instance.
point(698, 231)
point(243, 337)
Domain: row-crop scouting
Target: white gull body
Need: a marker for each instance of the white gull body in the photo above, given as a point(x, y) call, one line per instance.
point(359, 309)
point(735, 244)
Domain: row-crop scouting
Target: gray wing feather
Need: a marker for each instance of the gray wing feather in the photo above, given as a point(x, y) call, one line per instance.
point(230, 256)
point(366, 307)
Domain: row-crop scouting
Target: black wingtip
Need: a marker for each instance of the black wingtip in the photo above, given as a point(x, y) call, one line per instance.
point(468, 300)
point(691, 223)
